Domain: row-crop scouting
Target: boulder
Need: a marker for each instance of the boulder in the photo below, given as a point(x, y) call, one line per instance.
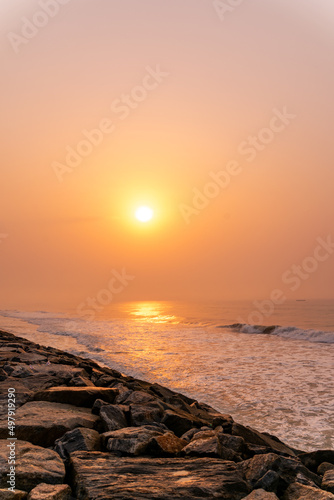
point(104, 380)
point(165, 445)
point(203, 433)
point(113, 417)
point(297, 491)
point(180, 422)
point(287, 469)
point(269, 481)
point(97, 475)
point(261, 494)
point(325, 466)
point(205, 447)
point(78, 439)
point(190, 434)
point(77, 396)
point(328, 481)
point(235, 443)
point(216, 418)
point(170, 396)
point(80, 382)
point(135, 397)
point(313, 459)
point(97, 406)
point(222, 420)
point(42, 422)
point(142, 414)
point(34, 465)
point(253, 436)
point(256, 467)
point(256, 449)
point(6, 494)
point(51, 492)
point(131, 440)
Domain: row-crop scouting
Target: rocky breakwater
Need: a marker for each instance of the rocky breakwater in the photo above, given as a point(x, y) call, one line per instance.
point(87, 432)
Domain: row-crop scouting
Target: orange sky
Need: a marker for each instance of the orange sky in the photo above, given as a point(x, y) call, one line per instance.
point(182, 95)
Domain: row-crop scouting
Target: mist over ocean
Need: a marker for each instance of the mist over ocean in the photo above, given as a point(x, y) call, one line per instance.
point(277, 379)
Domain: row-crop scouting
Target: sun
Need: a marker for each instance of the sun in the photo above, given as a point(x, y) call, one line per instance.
point(144, 214)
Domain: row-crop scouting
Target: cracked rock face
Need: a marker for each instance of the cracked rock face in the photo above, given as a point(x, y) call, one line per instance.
point(34, 465)
point(297, 491)
point(51, 492)
point(99, 475)
point(41, 422)
point(328, 481)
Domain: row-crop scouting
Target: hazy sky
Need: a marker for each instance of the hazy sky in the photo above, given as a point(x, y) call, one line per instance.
point(192, 97)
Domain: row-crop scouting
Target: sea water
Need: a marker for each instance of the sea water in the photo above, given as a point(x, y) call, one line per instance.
point(278, 379)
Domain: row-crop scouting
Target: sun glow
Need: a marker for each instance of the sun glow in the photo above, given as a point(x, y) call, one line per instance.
point(144, 214)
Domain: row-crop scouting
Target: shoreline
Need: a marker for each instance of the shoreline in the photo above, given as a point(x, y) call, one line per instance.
point(73, 413)
point(251, 377)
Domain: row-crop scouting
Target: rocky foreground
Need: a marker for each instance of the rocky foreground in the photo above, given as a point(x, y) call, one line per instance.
point(87, 432)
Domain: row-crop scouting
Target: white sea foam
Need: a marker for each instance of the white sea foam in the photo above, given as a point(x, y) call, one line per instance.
point(290, 332)
point(274, 383)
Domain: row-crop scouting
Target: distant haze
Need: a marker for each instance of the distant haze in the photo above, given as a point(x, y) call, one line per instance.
point(220, 120)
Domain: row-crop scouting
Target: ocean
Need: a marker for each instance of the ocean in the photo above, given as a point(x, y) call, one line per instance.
point(277, 379)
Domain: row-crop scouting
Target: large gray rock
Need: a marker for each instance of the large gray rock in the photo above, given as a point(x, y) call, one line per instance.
point(165, 445)
point(191, 433)
point(78, 439)
point(180, 422)
point(328, 481)
point(143, 414)
point(324, 467)
point(80, 382)
point(214, 443)
point(77, 396)
point(113, 417)
point(287, 470)
point(135, 397)
point(131, 440)
point(41, 422)
point(100, 475)
point(51, 492)
point(235, 443)
point(202, 447)
point(34, 465)
point(297, 491)
point(258, 438)
point(313, 459)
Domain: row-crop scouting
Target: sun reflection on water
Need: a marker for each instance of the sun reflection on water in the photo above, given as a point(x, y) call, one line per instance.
point(152, 312)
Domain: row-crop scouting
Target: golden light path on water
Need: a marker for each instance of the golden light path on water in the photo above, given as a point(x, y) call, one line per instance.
point(152, 312)
point(275, 384)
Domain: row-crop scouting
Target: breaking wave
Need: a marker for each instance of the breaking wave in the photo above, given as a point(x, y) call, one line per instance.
point(291, 332)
